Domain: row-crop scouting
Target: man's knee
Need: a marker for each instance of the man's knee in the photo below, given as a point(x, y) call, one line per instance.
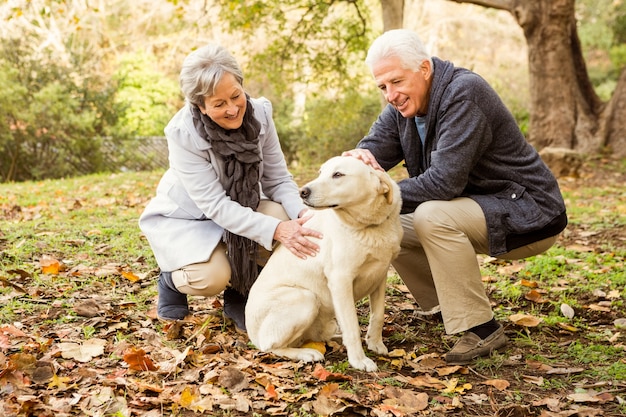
point(429, 216)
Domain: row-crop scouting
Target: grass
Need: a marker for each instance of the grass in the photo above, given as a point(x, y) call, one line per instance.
point(88, 225)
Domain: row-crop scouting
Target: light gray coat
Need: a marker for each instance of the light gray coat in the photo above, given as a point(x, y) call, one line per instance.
point(186, 219)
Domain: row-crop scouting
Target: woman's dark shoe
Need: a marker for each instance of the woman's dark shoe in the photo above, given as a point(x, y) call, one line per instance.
point(172, 303)
point(235, 308)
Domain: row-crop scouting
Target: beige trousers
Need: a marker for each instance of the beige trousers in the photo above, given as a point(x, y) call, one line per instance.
point(211, 277)
point(438, 262)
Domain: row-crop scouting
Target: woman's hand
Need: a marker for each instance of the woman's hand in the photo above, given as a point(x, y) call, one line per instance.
point(364, 155)
point(292, 234)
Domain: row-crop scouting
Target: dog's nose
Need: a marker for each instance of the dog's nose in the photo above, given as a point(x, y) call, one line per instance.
point(305, 192)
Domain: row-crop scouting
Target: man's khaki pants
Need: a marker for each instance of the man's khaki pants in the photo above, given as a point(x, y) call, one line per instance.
point(438, 260)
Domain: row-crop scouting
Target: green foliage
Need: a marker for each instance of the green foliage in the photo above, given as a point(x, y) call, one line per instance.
point(333, 125)
point(49, 116)
point(150, 99)
point(341, 31)
point(602, 31)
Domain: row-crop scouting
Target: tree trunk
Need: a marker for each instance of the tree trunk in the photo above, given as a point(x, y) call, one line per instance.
point(393, 14)
point(565, 110)
point(615, 114)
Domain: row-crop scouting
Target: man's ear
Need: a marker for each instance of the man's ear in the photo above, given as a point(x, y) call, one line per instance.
point(426, 69)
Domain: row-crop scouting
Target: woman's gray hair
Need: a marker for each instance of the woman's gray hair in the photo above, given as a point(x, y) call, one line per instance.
point(203, 69)
point(399, 43)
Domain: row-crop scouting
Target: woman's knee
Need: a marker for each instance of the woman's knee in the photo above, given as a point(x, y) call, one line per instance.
point(200, 282)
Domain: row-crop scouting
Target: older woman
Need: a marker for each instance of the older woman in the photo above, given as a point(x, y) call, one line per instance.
point(227, 196)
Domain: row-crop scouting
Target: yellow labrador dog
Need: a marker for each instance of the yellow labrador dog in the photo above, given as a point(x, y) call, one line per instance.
point(297, 300)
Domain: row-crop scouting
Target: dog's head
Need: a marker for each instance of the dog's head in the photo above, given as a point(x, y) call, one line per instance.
point(345, 182)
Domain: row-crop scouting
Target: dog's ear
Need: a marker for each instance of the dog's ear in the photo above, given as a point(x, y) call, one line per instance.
point(385, 187)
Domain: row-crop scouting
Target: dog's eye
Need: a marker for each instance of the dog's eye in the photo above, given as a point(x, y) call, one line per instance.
point(337, 175)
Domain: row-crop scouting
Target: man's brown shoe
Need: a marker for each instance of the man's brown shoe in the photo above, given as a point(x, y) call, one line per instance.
point(471, 346)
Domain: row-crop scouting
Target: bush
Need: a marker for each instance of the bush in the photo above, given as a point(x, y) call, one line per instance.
point(49, 115)
point(334, 125)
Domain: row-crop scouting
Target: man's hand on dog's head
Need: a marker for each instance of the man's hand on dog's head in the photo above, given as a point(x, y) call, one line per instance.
point(365, 156)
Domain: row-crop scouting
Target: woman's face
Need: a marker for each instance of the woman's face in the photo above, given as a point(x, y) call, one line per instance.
point(408, 91)
point(228, 105)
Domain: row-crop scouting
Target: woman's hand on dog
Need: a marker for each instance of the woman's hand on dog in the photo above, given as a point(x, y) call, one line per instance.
point(292, 235)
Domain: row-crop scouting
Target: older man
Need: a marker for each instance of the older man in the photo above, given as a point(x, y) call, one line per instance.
point(475, 185)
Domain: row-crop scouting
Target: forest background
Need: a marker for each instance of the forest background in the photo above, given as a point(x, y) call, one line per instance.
point(82, 81)
point(85, 83)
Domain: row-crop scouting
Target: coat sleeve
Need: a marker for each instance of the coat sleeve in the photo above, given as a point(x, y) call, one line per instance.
point(199, 178)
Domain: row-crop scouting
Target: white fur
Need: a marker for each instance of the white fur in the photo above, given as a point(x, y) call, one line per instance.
point(294, 300)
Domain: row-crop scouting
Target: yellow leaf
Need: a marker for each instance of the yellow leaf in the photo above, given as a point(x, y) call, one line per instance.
point(397, 363)
point(58, 382)
point(397, 353)
point(319, 346)
point(567, 327)
point(529, 284)
point(50, 265)
point(187, 397)
point(130, 276)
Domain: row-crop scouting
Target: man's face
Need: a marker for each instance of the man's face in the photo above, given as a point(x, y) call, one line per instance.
point(408, 91)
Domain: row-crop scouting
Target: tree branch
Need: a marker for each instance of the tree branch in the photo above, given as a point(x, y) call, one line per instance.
point(495, 4)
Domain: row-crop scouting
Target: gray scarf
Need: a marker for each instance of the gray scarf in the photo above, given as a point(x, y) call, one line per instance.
point(240, 151)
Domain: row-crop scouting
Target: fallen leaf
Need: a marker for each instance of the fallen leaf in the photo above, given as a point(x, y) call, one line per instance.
point(539, 366)
point(535, 296)
point(620, 323)
point(567, 311)
point(406, 400)
point(44, 372)
point(397, 353)
point(59, 382)
point(598, 307)
point(537, 380)
point(584, 397)
point(427, 382)
point(88, 308)
point(529, 284)
point(565, 371)
point(130, 276)
point(568, 327)
point(187, 397)
point(553, 404)
point(270, 391)
point(453, 386)
point(82, 353)
point(233, 379)
point(138, 361)
point(324, 375)
point(499, 384)
point(525, 320)
point(49, 265)
point(319, 346)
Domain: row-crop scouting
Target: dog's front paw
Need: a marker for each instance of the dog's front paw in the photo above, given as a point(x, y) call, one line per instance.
point(377, 345)
point(365, 364)
point(310, 355)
